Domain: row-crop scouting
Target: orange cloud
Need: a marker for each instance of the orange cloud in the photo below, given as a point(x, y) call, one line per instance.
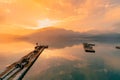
point(81, 15)
point(113, 14)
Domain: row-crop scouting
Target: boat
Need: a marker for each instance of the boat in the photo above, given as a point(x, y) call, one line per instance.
point(117, 47)
point(88, 47)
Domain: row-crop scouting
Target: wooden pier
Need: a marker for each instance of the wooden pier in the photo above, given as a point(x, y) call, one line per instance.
point(17, 70)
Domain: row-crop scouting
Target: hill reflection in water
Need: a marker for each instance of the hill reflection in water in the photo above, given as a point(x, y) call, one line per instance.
point(66, 60)
point(72, 63)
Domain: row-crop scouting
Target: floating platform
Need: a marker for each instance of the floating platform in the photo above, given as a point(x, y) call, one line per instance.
point(88, 47)
point(90, 50)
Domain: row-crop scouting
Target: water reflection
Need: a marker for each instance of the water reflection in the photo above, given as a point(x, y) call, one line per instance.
point(66, 63)
point(11, 52)
point(72, 63)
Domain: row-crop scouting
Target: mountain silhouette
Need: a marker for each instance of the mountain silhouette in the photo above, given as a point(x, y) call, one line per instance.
point(54, 37)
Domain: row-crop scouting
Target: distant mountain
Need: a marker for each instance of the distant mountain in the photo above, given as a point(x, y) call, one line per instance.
point(56, 37)
point(60, 38)
point(106, 37)
point(100, 32)
point(55, 32)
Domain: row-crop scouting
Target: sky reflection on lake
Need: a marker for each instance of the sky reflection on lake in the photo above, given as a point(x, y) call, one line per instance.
point(68, 63)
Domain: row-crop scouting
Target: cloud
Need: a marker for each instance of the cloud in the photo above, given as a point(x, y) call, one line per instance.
point(7, 1)
point(113, 14)
point(115, 2)
point(80, 15)
point(2, 19)
point(2, 16)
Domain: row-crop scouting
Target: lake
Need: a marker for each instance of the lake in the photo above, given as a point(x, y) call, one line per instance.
point(66, 63)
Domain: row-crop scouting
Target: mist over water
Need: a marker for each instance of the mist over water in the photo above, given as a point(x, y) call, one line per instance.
point(72, 63)
point(63, 25)
point(67, 61)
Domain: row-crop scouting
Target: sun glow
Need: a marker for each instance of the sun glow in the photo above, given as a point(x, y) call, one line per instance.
point(46, 23)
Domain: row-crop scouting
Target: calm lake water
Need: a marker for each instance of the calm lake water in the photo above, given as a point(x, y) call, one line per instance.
point(66, 63)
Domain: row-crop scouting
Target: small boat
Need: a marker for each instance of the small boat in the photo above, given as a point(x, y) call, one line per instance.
point(117, 47)
point(88, 47)
point(89, 50)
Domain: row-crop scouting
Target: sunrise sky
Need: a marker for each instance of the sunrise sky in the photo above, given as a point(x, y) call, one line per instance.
point(23, 16)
